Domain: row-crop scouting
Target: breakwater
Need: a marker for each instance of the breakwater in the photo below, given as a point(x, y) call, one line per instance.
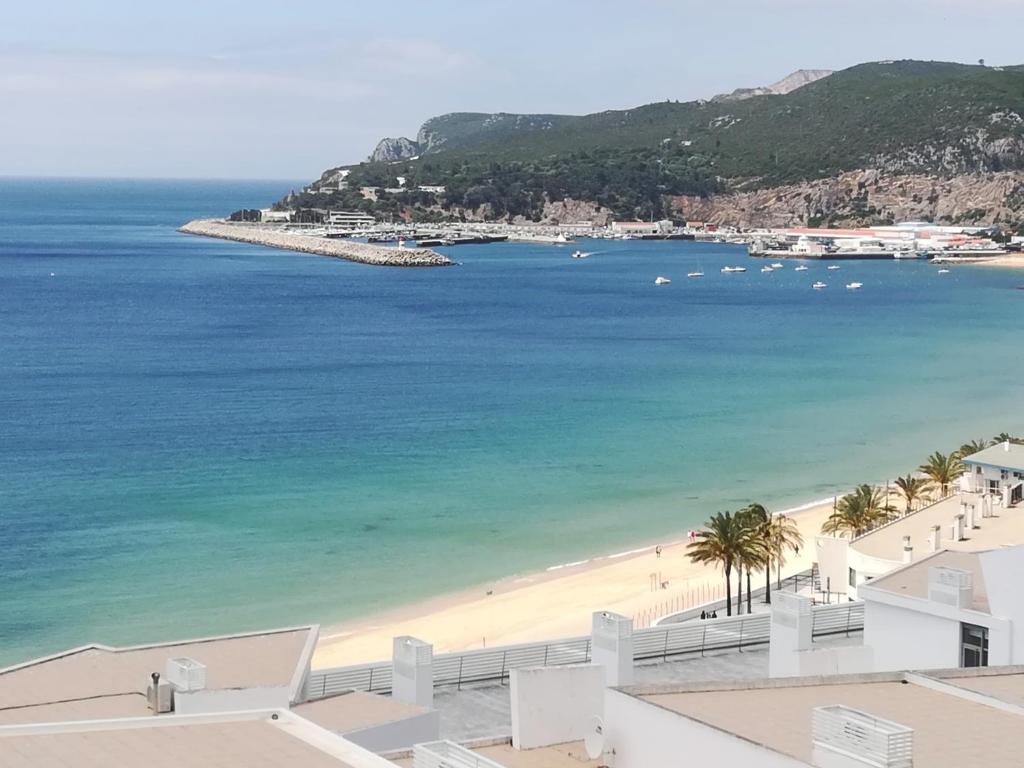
point(339, 249)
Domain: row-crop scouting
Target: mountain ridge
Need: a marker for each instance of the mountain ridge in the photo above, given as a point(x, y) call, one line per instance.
point(940, 119)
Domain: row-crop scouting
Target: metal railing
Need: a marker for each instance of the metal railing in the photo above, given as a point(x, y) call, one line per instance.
point(494, 664)
point(448, 754)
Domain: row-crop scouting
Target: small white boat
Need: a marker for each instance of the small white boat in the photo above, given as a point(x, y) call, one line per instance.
point(767, 269)
point(695, 274)
point(854, 286)
point(659, 280)
point(943, 271)
point(579, 255)
point(777, 265)
point(833, 266)
point(819, 285)
point(801, 268)
point(734, 269)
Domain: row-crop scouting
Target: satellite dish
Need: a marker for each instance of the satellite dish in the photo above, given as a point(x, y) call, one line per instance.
point(593, 742)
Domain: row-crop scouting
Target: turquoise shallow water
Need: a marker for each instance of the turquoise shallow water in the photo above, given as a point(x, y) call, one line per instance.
point(201, 436)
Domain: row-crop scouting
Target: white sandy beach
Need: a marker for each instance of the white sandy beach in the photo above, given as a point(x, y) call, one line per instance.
point(553, 603)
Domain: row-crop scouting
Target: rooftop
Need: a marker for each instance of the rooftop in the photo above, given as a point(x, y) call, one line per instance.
point(912, 580)
point(949, 728)
point(887, 542)
point(1002, 455)
point(244, 740)
point(98, 681)
point(356, 710)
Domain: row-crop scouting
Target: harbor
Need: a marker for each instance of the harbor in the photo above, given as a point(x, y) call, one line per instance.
point(316, 243)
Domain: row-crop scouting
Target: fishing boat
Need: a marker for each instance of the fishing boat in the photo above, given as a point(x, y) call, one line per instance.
point(734, 269)
point(777, 265)
point(854, 286)
point(801, 268)
point(819, 285)
point(695, 274)
point(943, 271)
point(659, 280)
point(833, 266)
point(767, 269)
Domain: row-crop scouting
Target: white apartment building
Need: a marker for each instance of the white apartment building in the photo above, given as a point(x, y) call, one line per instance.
point(997, 471)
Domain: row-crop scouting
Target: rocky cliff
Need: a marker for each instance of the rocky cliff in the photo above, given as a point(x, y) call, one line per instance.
point(788, 84)
point(389, 150)
point(866, 197)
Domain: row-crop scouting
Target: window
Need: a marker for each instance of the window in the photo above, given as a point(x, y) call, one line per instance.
point(853, 578)
point(1004, 474)
point(973, 645)
point(993, 486)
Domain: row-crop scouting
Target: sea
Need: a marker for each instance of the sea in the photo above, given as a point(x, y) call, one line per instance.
point(201, 437)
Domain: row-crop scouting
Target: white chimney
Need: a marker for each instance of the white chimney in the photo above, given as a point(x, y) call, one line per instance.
point(185, 674)
point(908, 550)
point(1006, 445)
point(842, 737)
point(611, 643)
point(412, 671)
point(933, 540)
point(950, 586)
point(958, 527)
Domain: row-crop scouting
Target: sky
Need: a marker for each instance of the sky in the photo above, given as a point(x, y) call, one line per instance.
point(273, 90)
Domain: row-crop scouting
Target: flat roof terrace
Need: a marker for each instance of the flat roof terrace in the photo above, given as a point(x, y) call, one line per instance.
point(241, 740)
point(949, 731)
point(98, 681)
point(1006, 526)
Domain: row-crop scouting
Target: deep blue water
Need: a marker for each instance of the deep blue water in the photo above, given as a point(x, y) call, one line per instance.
point(199, 436)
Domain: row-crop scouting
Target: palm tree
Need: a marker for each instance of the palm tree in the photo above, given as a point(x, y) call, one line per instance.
point(783, 535)
point(1005, 437)
point(942, 469)
point(720, 544)
point(858, 512)
point(974, 446)
point(913, 488)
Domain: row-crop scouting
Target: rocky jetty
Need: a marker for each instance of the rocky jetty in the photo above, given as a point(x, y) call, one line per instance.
point(339, 249)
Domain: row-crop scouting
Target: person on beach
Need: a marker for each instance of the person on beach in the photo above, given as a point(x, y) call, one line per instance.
point(657, 551)
point(703, 615)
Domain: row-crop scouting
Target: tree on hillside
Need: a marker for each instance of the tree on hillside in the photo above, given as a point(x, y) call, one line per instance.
point(943, 469)
point(858, 512)
point(912, 488)
point(720, 544)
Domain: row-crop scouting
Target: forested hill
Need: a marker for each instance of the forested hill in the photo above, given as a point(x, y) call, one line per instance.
point(905, 117)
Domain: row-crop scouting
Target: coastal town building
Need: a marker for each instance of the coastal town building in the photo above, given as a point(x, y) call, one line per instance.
point(434, 189)
point(983, 511)
point(272, 216)
point(349, 219)
point(641, 227)
point(997, 471)
point(950, 718)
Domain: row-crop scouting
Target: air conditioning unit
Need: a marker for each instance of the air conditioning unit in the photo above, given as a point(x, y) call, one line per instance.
point(186, 674)
point(160, 695)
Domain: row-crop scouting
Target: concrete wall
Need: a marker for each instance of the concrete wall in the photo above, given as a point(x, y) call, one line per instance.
point(1001, 569)
point(231, 700)
point(553, 705)
point(402, 734)
point(904, 639)
point(831, 554)
point(644, 735)
point(837, 660)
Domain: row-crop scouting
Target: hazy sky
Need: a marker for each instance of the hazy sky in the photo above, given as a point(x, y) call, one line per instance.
point(212, 88)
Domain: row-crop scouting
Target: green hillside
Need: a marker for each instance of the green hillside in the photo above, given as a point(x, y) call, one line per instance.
point(900, 117)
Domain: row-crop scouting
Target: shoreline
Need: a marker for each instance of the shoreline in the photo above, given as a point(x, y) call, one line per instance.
point(556, 601)
point(362, 253)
